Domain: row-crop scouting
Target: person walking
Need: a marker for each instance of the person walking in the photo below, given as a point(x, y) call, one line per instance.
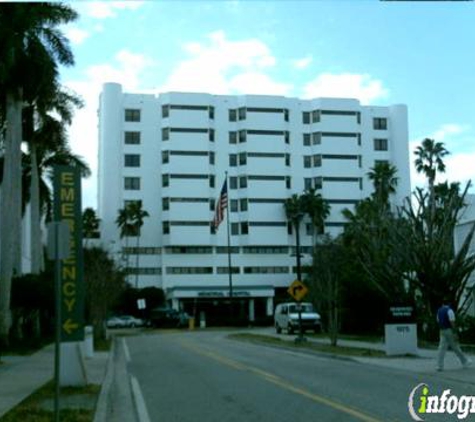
point(448, 336)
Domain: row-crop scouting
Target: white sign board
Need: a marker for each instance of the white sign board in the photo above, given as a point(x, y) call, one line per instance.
point(401, 339)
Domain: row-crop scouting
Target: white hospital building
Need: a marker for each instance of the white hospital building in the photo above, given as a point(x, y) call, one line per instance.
point(171, 152)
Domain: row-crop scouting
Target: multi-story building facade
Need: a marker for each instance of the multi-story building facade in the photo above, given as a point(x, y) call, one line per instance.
point(172, 152)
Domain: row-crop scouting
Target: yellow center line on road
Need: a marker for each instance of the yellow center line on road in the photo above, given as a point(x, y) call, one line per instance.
point(280, 382)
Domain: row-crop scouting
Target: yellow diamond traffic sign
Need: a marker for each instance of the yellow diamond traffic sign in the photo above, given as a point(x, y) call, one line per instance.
point(297, 290)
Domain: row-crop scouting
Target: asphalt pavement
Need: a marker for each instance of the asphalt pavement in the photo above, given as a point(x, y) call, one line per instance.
point(202, 375)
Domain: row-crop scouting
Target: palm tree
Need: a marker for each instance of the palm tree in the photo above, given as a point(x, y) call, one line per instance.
point(28, 34)
point(90, 224)
point(49, 137)
point(317, 208)
point(138, 215)
point(429, 160)
point(294, 211)
point(383, 176)
point(125, 223)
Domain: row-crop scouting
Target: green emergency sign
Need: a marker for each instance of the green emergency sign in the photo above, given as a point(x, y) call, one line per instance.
point(67, 207)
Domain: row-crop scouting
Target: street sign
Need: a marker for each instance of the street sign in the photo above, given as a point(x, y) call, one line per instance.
point(297, 290)
point(67, 208)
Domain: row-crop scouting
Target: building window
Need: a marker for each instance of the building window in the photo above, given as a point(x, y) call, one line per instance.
point(165, 134)
point(358, 117)
point(132, 183)
point(289, 228)
point(165, 180)
point(225, 270)
point(380, 162)
point(242, 182)
point(165, 111)
point(211, 113)
point(233, 205)
point(287, 160)
point(132, 115)
point(211, 204)
point(211, 135)
point(287, 137)
point(234, 229)
point(318, 182)
point(306, 117)
point(243, 204)
point(359, 139)
point(232, 137)
point(242, 113)
point(316, 138)
point(132, 138)
point(309, 229)
point(288, 183)
point(165, 157)
point(286, 115)
point(165, 204)
point(131, 160)
point(380, 123)
point(307, 161)
point(242, 159)
point(307, 183)
point(244, 228)
point(306, 139)
point(242, 136)
point(315, 116)
point(134, 202)
point(211, 181)
point(232, 115)
point(233, 182)
point(380, 144)
point(317, 160)
point(232, 160)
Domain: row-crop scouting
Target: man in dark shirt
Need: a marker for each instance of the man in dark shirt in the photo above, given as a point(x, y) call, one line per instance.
point(448, 338)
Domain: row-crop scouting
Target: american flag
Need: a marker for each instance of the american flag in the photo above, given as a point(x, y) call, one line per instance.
point(221, 205)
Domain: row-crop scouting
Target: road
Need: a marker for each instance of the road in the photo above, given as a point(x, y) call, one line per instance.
point(204, 376)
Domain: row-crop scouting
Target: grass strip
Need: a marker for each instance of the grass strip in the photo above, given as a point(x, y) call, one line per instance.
point(308, 345)
point(31, 409)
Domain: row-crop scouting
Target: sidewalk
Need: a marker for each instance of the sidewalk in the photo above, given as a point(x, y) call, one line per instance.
point(20, 376)
point(424, 363)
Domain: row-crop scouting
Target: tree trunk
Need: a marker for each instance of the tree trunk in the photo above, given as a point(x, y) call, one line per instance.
point(16, 168)
point(35, 222)
point(137, 262)
point(10, 213)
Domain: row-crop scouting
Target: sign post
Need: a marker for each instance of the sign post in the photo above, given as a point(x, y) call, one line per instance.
point(67, 208)
point(58, 249)
point(298, 290)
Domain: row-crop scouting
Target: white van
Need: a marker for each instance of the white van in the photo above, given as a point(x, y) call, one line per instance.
point(286, 317)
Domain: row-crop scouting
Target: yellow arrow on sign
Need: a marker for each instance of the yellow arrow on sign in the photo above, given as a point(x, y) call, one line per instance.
point(298, 290)
point(69, 326)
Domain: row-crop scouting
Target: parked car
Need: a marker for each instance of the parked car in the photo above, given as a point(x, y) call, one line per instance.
point(168, 317)
point(124, 321)
point(286, 316)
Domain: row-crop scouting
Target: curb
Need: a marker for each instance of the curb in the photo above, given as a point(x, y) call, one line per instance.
point(103, 400)
point(139, 402)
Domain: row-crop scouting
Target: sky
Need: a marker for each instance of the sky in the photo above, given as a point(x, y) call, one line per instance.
point(416, 53)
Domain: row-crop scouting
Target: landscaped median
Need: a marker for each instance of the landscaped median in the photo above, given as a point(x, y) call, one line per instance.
point(313, 346)
point(78, 404)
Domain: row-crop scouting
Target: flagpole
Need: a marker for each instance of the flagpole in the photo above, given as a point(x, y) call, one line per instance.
point(230, 274)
